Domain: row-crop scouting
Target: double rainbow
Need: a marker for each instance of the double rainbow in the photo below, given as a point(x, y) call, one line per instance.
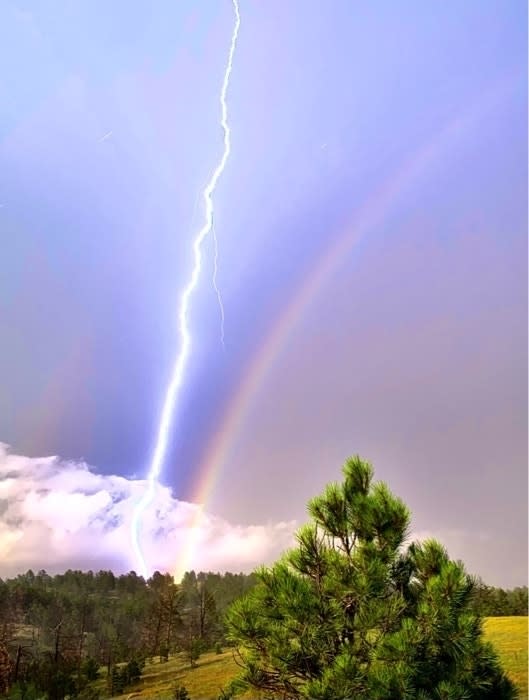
point(371, 215)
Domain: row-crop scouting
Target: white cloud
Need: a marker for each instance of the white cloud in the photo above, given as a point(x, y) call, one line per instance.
point(57, 515)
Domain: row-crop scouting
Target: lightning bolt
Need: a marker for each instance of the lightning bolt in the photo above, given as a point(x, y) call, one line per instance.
point(182, 357)
point(216, 287)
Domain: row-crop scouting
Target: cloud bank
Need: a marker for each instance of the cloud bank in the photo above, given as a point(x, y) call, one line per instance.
point(56, 514)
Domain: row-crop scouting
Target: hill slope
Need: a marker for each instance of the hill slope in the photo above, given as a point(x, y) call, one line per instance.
point(508, 634)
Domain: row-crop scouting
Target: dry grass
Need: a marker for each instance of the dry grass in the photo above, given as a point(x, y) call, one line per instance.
point(507, 634)
point(204, 682)
point(509, 637)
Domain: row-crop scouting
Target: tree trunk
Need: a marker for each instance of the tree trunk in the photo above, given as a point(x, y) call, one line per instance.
point(17, 663)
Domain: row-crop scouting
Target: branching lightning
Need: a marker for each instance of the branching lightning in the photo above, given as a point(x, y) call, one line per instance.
point(177, 375)
point(216, 286)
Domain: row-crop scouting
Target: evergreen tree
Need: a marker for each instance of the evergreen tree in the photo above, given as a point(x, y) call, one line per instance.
point(116, 682)
point(132, 672)
point(180, 693)
point(90, 669)
point(353, 613)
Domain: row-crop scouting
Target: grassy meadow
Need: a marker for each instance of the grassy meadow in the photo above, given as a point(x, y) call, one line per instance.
point(507, 634)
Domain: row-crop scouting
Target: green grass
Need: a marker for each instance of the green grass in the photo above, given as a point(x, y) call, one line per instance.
point(507, 634)
point(509, 637)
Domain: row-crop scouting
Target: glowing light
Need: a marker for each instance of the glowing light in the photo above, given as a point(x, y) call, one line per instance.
point(216, 287)
point(177, 375)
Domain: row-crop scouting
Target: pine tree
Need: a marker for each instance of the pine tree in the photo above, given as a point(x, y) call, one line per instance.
point(132, 672)
point(116, 683)
point(180, 693)
point(354, 613)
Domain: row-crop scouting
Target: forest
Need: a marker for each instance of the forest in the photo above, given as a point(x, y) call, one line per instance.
point(59, 633)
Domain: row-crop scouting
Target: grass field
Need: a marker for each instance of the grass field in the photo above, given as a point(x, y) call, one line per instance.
point(507, 634)
point(203, 682)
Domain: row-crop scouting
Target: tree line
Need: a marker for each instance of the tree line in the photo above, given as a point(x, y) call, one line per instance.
point(497, 602)
point(58, 632)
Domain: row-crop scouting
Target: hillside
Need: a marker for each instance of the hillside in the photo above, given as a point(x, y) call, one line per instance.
point(508, 634)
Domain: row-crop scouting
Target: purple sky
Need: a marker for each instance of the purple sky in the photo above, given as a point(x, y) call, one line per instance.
point(413, 350)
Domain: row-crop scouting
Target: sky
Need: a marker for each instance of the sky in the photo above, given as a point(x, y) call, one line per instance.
point(372, 233)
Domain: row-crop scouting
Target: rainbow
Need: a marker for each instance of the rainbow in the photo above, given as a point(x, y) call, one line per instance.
point(371, 215)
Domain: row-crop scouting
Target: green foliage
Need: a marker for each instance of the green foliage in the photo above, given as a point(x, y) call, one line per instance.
point(116, 681)
point(180, 693)
point(89, 693)
point(120, 678)
point(495, 602)
point(23, 691)
point(351, 612)
point(132, 672)
point(90, 669)
point(225, 694)
point(193, 647)
point(69, 626)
